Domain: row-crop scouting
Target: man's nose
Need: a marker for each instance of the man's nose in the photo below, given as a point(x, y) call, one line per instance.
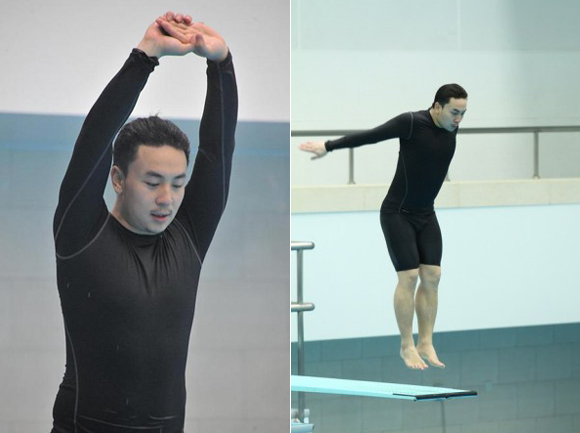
point(164, 196)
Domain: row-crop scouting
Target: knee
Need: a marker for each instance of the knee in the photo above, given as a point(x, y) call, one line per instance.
point(430, 276)
point(408, 279)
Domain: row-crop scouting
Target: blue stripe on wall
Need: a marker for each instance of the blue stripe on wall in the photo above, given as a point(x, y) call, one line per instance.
point(58, 133)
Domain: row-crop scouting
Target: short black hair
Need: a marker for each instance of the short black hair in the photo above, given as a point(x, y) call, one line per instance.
point(448, 91)
point(147, 131)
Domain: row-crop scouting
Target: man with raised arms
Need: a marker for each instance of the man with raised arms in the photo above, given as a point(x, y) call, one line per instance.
point(408, 220)
point(128, 279)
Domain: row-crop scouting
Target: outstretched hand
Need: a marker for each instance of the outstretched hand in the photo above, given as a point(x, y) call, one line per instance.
point(176, 35)
point(315, 147)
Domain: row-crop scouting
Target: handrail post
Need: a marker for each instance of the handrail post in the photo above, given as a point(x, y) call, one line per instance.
point(300, 307)
point(536, 154)
point(351, 166)
point(300, 318)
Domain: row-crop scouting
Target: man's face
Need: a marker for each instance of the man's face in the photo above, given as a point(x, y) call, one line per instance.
point(449, 116)
point(149, 195)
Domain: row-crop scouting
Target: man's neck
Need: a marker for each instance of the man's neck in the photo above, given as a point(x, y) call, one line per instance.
point(435, 121)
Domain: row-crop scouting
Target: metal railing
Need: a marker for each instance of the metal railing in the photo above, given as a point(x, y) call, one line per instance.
point(535, 130)
point(300, 307)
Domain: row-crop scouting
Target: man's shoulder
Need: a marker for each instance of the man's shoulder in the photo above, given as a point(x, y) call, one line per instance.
point(421, 115)
point(413, 115)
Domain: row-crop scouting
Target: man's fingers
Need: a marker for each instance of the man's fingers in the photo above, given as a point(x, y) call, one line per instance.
point(174, 31)
point(178, 17)
point(312, 148)
point(169, 15)
point(185, 25)
point(159, 22)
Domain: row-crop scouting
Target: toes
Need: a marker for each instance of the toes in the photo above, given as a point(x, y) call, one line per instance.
point(438, 364)
point(434, 361)
point(413, 361)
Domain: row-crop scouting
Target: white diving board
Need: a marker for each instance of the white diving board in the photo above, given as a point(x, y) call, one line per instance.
point(325, 385)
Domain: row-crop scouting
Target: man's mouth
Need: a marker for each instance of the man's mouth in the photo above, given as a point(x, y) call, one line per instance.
point(160, 216)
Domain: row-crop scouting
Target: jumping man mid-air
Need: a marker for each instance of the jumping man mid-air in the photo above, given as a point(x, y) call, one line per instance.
point(408, 220)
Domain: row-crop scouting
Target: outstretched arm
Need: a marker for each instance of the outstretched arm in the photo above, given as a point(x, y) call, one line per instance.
point(207, 191)
point(399, 126)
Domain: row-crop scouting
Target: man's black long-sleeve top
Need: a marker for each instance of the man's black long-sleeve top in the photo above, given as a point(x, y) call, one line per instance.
point(425, 153)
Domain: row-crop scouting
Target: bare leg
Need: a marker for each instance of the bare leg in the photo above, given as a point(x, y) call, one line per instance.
point(405, 311)
point(426, 306)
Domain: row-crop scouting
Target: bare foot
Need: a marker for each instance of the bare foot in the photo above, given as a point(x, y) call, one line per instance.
point(412, 358)
point(427, 351)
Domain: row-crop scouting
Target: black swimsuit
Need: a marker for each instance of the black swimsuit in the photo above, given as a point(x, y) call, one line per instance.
point(127, 299)
point(407, 215)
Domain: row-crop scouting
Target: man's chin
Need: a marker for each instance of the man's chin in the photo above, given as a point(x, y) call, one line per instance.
point(159, 227)
point(156, 230)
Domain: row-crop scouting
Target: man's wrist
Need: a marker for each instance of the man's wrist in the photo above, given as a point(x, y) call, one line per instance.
point(149, 48)
point(221, 58)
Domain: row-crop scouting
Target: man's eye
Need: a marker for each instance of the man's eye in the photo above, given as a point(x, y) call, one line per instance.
point(151, 184)
point(177, 186)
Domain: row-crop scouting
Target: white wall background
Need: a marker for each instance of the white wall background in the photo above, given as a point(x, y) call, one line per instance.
point(356, 64)
point(57, 56)
point(502, 267)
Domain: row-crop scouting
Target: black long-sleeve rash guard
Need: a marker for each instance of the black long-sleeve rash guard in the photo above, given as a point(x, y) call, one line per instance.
point(128, 299)
point(424, 157)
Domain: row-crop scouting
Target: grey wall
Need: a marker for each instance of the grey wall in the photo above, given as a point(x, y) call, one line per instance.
point(238, 365)
point(527, 379)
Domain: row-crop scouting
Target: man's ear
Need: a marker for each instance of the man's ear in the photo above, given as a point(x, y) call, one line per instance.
point(118, 179)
